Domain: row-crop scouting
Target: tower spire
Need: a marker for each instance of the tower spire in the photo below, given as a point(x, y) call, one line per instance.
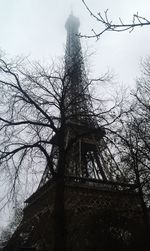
point(71, 8)
point(73, 46)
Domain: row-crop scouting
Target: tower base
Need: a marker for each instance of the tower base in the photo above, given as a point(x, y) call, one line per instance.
point(99, 216)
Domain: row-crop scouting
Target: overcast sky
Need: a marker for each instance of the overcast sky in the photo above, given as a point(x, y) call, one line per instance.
point(35, 28)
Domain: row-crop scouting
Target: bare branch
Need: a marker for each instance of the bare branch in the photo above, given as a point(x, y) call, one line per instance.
point(137, 21)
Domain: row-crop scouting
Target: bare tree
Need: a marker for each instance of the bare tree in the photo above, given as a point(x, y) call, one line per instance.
point(131, 141)
point(28, 104)
point(34, 111)
point(109, 25)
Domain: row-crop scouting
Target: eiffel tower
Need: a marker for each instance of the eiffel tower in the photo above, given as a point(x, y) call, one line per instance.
point(101, 214)
point(83, 159)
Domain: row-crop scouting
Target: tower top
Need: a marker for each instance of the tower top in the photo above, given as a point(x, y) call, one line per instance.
point(72, 23)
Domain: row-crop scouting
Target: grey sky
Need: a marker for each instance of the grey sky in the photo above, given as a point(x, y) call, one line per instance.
point(35, 28)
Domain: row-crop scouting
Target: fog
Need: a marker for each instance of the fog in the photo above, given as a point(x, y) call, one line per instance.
point(35, 28)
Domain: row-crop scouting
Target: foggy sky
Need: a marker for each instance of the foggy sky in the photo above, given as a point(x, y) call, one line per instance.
point(35, 28)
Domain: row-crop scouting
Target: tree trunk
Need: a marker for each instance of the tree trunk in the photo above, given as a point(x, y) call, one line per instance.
point(59, 217)
point(144, 210)
point(59, 204)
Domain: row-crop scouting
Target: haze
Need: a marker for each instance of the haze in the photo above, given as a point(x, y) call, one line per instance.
point(35, 28)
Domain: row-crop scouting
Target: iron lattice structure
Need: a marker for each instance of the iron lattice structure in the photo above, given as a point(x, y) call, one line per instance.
point(85, 159)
